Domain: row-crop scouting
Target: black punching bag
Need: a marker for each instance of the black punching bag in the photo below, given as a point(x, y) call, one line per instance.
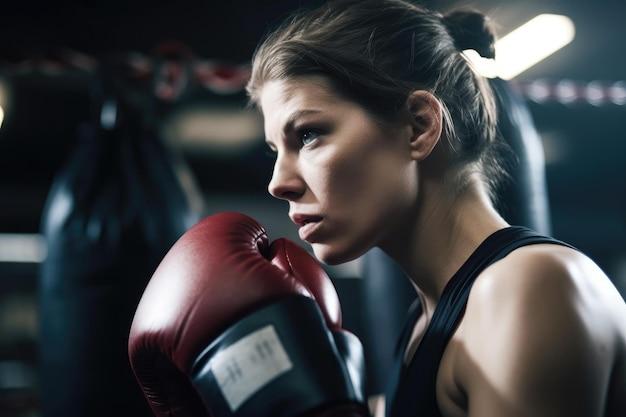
point(523, 199)
point(113, 211)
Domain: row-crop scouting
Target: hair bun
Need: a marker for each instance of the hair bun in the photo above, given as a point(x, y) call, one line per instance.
point(471, 29)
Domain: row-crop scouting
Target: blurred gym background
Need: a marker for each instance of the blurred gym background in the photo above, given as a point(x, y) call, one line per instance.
point(123, 122)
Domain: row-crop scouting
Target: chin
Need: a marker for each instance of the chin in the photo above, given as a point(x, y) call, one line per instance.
point(332, 256)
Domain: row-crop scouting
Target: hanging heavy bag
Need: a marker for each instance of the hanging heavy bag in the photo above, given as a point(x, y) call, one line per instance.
point(113, 211)
point(523, 199)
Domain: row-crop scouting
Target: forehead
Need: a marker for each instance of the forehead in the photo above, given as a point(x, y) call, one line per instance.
point(292, 92)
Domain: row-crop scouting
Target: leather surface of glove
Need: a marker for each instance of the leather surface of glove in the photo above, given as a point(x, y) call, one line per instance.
point(231, 325)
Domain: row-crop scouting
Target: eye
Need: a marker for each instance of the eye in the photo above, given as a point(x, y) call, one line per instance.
point(308, 136)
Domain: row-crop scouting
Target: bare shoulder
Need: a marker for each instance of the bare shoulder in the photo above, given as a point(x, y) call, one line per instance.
point(546, 328)
point(555, 275)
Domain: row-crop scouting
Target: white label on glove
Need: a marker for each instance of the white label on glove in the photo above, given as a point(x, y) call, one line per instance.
point(249, 364)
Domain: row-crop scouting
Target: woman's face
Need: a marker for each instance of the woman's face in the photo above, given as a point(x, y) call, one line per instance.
point(350, 183)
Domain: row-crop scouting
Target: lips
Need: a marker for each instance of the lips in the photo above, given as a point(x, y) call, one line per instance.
point(305, 219)
point(308, 225)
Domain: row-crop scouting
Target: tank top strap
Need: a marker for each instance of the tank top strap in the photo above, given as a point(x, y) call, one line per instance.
point(412, 391)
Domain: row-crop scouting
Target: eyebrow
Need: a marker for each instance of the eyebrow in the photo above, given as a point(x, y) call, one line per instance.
point(291, 120)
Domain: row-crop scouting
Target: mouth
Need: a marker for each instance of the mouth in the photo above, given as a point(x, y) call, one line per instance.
point(305, 219)
point(309, 226)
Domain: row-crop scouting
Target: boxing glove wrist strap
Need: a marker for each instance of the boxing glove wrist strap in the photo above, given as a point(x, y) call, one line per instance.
point(281, 360)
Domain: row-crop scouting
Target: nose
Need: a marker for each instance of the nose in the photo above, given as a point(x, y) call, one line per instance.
point(286, 183)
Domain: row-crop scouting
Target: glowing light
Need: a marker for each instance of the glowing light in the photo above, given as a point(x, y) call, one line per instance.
point(1, 116)
point(532, 42)
point(525, 46)
point(566, 91)
point(617, 93)
point(538, 91)
point(22, 247)
point(594, 93)
point(485, 67)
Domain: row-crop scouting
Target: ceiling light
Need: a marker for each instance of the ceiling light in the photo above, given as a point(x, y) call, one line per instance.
point(525, 46)
point(532, 42)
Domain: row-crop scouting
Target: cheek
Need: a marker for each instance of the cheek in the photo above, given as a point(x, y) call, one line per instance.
point(345, 179)
point(369, 181)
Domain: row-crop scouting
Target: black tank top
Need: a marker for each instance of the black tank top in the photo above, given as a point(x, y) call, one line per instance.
point(412, 390)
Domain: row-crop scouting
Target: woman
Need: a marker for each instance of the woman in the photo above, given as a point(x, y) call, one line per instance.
point(385, 137)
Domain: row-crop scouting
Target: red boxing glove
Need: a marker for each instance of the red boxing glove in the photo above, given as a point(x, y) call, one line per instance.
point(230, 325)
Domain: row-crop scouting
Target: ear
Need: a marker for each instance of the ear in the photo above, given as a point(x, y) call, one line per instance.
point(426, 121)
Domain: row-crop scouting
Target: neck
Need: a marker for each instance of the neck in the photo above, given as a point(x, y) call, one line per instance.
point(441, 238)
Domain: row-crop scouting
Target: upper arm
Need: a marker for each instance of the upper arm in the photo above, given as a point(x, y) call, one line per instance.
point(533, 342)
